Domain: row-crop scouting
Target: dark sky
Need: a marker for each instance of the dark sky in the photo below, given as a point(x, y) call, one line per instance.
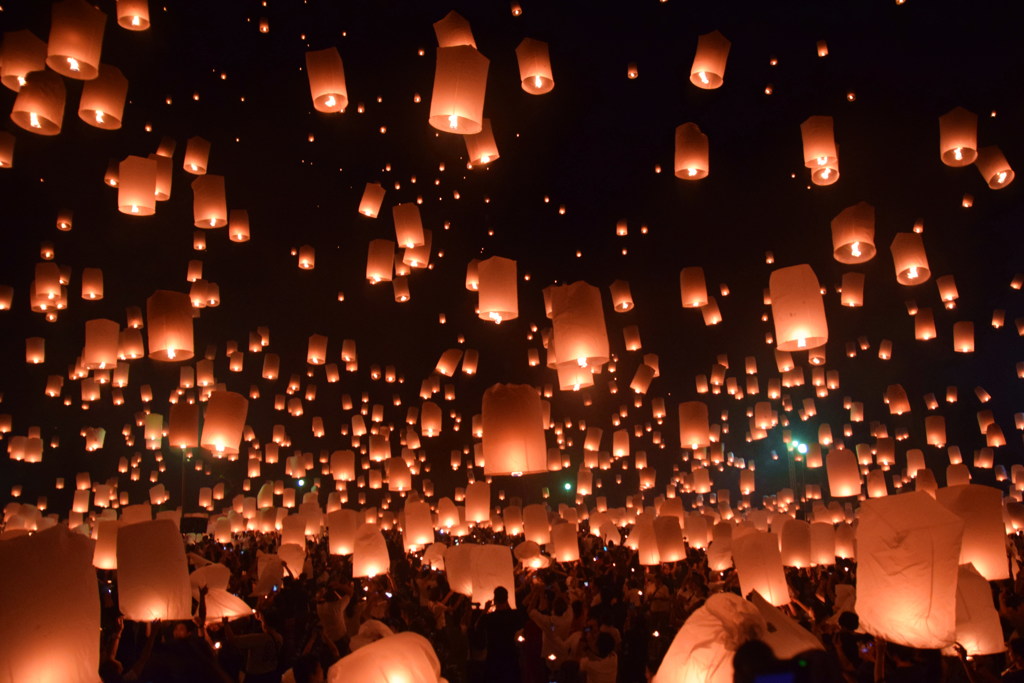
point(592, 145)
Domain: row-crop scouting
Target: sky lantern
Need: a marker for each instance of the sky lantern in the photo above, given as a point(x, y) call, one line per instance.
point(578, 326)
point(380, 261)
point(341, 531)
point(133, 14)
point(21, 53)
point(102, 103)
point(405, 656)
point(373, 197)
point(481, 147)
point(224, 422)
point(797, 309)
point(169, 326)
point(460, 82)
point(958, 137)
point(994, 168)
point(963, 336)
point(101, 337)
point(197, 155)
point(164, 170)
point(692, 287)
point(978, 628)
point(853, 289)
point(408, 225)
point(984, 540)
point(316, 350)
point(759, 566)
point(76, 39)
point(152, 573)
point(843, 473)
point(908, 550)
point(694, 432)
point(183, 425)
point(513, 439)
point(478, 501)
point(209, 202)
point(795, 543)
point(534, 66)
point(622, 297)
point(708, 68)
point(51, 603)
point(238, 225)
point(327, 80)
point(669, 538)
point(909, 258)
point(136, 188)
point(453, 30)
point(853, 234)
point(39, 107)
point(370, 552)
point(820, 153)
point(497, 289)
point(6, 149)
point(691, 157)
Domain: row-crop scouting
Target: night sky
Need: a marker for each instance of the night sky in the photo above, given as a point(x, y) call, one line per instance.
point(592, 145)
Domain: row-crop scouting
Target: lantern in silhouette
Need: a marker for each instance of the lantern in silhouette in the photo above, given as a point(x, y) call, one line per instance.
point(39, 107)
point(797, 309)
point(497, 289)
point(691, 156)
point(513, 439)
point(327, 80)
point(534, 66)
point(708, 68)
point(958, 137)
point(76, 39)
point(820, 153)
point(460, 81)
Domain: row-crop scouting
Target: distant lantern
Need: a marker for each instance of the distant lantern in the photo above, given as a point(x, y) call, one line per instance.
point(238, 225)
point(820, 153)
point(622, 297)
point(853, 234)
point(224, 422)
point(92, 284)
point(76, 39)
point(307, 257)
point(994, 168)
point(21, 54)
point(958, 137)
point(708, 68)
point(578, 325)
point(513, 424)
point(853, 289)
point(534, 66)
point(209, 202)
point(408, 225)
point(481, 147)
point(39, 107)
point(380, 261)
point(453, 30)
point(909, 258)
point(694, 431)
point(963, 336)
point(169, 324)
point(460, 82)
point(691, 158)
point(133, 14)
point(797, 309)
point(692, 287)
point(497, 289)
point(136, 188)
point(102, 103)
point(373, 197)
point(197, 155)
point(327, 80)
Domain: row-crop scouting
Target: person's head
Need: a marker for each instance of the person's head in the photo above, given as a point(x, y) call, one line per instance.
point(307, 669)
point(605, 645)
point(500, 596)
point(182, 629)
point(848, 621)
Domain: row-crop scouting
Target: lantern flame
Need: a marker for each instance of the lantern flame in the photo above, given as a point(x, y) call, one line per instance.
point(330, 101)
point(171, 354)
point(495, 316)
point(1001, 178)
point(21, 80)
point(801, 342)
point(537, 82)
point(855, 249)
point(33, 120)
point(703, 77)
point(99, 116)
point(136, 21)
point(958, 154)
point(691, 172)
point(73, 64)
point(453, 121)
point(912, 272)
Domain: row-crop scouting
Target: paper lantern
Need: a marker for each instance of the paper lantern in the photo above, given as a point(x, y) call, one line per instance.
point(39, 107)
point(51, 606)
point(327, 80)
point(460, 82)
point(759, 566)
point(820, 153)
point(408, 225)
point(692, 287)
point(708, 68)
point(133, 14)
point(341, 531)
point(373, 197)
point(853, 289)
point(370, 552)
point(984, 540)
point(102, 103)
point(92, 284)
point(795, 544)
point(536, 526)
point(963, 336)
point(407, 657)
point(694, 431)
point(843, 473)
point(958, 137)
point(380, 261)
point(197, 155)
point(6, 154)
point(136, 189)
point(169, 325)
point(224, 422)
point(101, 337)
point(994, 168)
point(164, 169)
point(481, 147)
point(105, 551)
point(316, 349)
point(418, 527)
point(978, 627)
point(398, 474)
point(478, 501)
point(669, 538)
point(823, 543)
point(935, 430)
point(209, 202)
point(453, 30)
point(76, 39)
point(908, 549)
point(909, 258)
point(691, 156)
point(853, 234)
point(534, 66)
point(565, 542)
point(497, 289)
point(578, 327)
point(797, 309)
point(21, 54)
point(152, 574)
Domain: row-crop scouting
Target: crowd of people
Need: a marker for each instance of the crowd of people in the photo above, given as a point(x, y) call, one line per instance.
point(605, 619)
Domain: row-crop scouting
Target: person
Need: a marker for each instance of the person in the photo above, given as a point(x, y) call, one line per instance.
point(307, 669)
point(605, 667)
point(500, 627)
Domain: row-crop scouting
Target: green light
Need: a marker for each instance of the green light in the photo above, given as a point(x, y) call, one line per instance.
point(567, 486)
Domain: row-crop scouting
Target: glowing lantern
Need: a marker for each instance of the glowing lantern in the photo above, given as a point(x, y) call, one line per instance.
point(418, 528)
point(316, 350)
point(398, 474)
point(92, 284)
point(994, 168)
point(843, 473)
point(984, 541)
point(513, 439)
point(39, 107)
point(453, 30)
point(52, 630)
point(327, 80)
point(370, 552)
point(7, 151)
point(909, 258)
point(100, 350)
point(497, 289)
point(691, 156)
point(978, 627)
point(963, 336)
point(341, 531)
point(197, 155)
point(534, 66)
point(133, 14)
point(209, 203)
point(622, 298)
point(408, 225)
point(21, 54)
point(708, 68)
point(669, 538)
point(478, 501)
point(136, 189)
point(797, 309)
point(481, 147)
point(406, 657)
point(373, 197)
point(820, 150)
point(853, 289)
point(823, 543)
point(76, 39)
point(694, 431)
point(759, 566)
point(102, 102)
point(152, 574)
point(908, 549)
point(692, 287)
point(183, 425)
point(380, 261)
point(853, 234)
point(460, 81)
point(958, 137)
point(169, 320)
point(224, 422)
point(795, 543)
point(935, 430)
point(565, 542)
point(578, 327)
